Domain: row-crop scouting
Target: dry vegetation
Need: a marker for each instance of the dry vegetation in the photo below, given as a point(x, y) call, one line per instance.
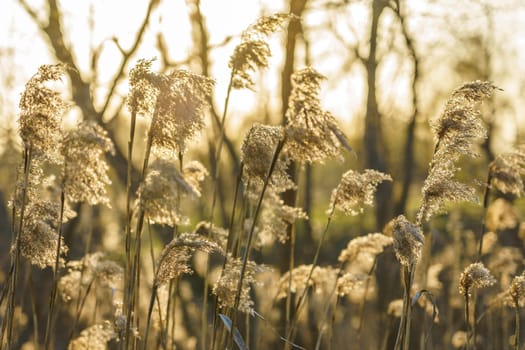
point(444, 279)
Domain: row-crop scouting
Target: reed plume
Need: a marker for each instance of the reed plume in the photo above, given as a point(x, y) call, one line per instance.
point(456, 132)
point(312, 134)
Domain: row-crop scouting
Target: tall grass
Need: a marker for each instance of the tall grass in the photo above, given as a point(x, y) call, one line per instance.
point(353, 286)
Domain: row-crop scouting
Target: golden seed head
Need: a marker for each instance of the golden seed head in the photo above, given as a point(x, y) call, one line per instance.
point(85, 168)
point(456, 132)
point(371, 244)
point(81, 273)
point(275, 219)
point(258, 149)
point(94, 337)
point(226, 287)
point(322, 280)
point(408, 241)
point(39, 237)
point(477, 276)
point(160, 192)
point(356, 189)
point(253, 51)
point(517, 291)
point(179, 112)
point(174, 259)
point(312, 134)
point(215, 233)
point(507, 170)
point(41, 111)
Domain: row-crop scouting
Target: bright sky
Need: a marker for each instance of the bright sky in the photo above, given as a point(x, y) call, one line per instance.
point(21, 41)
point(224, 18)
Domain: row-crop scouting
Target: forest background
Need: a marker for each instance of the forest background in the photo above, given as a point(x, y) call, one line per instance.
point(389, 68)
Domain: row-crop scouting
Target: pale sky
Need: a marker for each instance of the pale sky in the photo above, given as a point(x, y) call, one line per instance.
point(341, 94)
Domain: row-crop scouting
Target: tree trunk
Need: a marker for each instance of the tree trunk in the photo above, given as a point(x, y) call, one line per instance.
point(407, 170)
point(373, 138)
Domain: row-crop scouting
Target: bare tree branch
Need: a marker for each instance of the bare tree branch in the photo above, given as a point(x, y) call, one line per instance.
point(128, 54)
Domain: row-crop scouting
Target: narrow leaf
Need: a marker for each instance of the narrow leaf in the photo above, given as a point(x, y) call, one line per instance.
point(237, 337)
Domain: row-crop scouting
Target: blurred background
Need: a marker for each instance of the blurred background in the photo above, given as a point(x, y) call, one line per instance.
point(389, 65)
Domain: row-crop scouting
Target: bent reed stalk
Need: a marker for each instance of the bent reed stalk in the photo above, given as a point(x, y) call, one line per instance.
point(249, 242)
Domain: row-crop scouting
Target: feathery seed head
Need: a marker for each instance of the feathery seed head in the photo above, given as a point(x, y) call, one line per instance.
point(247, 57)
point(175, 102)
point(226, 287)
point(258, 149)
point(312, 134)
point(371, 244)
point(275, 219)
point(456, 131)
point(267, 25)
point(195, 173)
point(253, 51)
point(355, 189)
point(85, 169)
point(408, 241)
point(41, 111)
point(475, 275)
point(440, 188)
point(348, 283)
point(321, 281)
point(144, 87)
point(215, 233)
point(174, 259)
point(95, 337)
point(92, 267)
point(517, 291)
point(461, 118)
point(160, 192)
point(257, 153)
point(507, 170)
point(32, 188)
point(39, 238)
point(179, 112)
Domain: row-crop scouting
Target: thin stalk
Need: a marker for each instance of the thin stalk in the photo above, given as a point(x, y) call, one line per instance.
point(172, 297)
point(467, 319)
point(80, 299)
point(291, 265)
point(404, 326)
point(175, 297)
point(129, 187)
point(247, 330)
point(134, 279)
point(248, 247)
point(33, 308)
point(289, 295)
point(408, 287)
point(150, 311)
point(332, 323)
point(204, 313)
point(5, 292)
point(516, 326)
point(16, 258)
point(56, 273)
point(308, 278)
point(228, 248)
point(161, 338)
point(474, 319)
point(486, 197)
point(220, 144)
point(215, 180)
point(80, 307)
point(363, 303)
point(151, 252)
point(339, 274)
